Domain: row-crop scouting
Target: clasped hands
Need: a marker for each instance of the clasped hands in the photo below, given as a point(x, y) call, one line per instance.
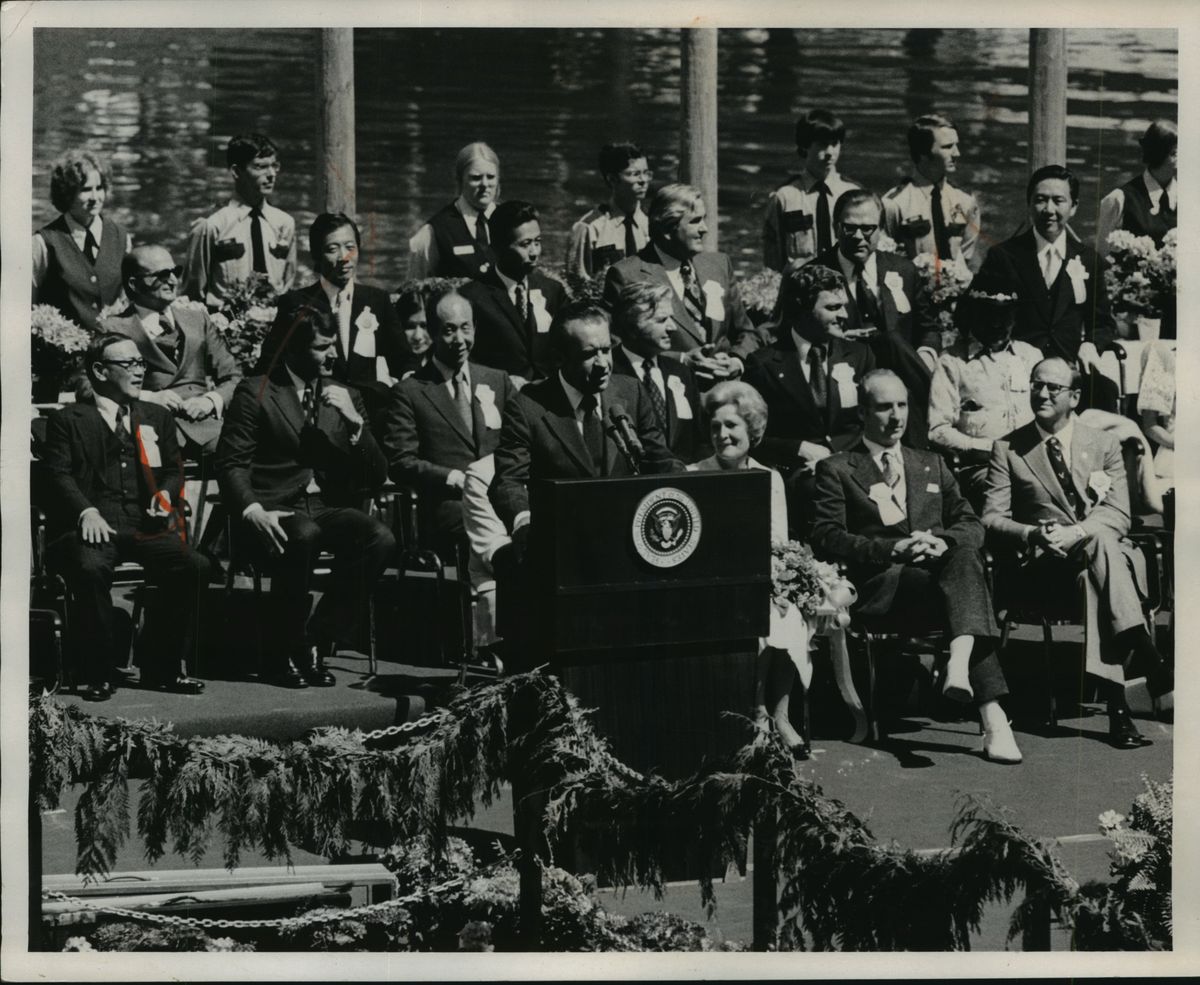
point(712, 362)
point(1054, 538)
point(919, 546)
point(190, 408)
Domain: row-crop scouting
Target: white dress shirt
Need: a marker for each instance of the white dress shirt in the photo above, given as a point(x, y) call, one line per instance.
point(656, 374)
point(802, 348)
point(1050, 255)
point(899, 492)
point(576, 398)
point(341, 299)
point(1063, 436)
point(868, 272)
point(671, 266)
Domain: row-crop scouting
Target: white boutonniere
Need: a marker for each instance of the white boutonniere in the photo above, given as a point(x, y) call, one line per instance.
point(1079, 278)
point(683, 410)
point(714, 300)
point(487, 403)
point(895, 284)
point(364, 341)
point(889, 510)
point(1099, 484)
point(843, 376)
point(541, 316)
point(147, 440)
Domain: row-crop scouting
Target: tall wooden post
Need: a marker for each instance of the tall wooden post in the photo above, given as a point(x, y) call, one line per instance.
point(698, 127)
point(335, 120)
point(1047, 97)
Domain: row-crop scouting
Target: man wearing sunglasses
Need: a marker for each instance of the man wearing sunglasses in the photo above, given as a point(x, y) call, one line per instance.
point(181, 346)
point(1057, 495)
point(110, 481)
point(887, 306)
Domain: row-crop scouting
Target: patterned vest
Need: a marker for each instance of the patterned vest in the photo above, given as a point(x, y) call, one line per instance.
point(123, 488)
point(73, 285)
point(449, 232)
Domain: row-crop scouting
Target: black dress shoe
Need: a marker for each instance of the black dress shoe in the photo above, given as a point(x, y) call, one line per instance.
point(96, 692)
point(312, 666)
point(1122, 733)
point(179, 684)
point(288, 676)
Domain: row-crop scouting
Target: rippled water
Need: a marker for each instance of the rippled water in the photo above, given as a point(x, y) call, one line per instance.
point(161, 105)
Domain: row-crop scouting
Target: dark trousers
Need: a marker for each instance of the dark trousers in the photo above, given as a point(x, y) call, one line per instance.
point(949, 593)
point(361, 547)
point(172, 623)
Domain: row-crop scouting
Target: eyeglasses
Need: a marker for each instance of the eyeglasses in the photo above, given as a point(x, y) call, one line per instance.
point(1054, 389)
point(161, 276)
point(865, 230)
point(135, 363)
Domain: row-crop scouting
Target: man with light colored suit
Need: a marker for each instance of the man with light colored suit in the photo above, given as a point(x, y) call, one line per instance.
point(1057, 494)
point(444, 417)
point(181, 347)
point(896, 518)
point(712, 334)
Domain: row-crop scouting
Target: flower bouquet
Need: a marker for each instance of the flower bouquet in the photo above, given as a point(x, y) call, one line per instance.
point(815, 588)
point(57, 351)
point(1139, 277)
point(246, 317)
point(945, 281)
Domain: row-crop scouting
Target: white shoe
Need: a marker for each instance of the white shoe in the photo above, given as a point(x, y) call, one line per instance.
point(1000, 746)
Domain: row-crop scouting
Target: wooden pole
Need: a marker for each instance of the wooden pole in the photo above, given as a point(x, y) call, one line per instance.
point(1047, 97)
point(335, 120)
point(698, 127)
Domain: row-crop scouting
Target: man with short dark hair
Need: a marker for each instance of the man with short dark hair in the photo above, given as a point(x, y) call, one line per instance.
point(114, 485)
point(369, 342)
point(799, 219)
point(641, 320)
point(888, 304)
point(182, 348)
point(296, 462)
point(557, 428)
point(444, 417)
point(249, 235)
point(617, 228)
point(809, 379)
point(896, 518)
point(926, 213)
point(1057, 493)
point(514, 302)
point(1062, 305)
point(711, 334)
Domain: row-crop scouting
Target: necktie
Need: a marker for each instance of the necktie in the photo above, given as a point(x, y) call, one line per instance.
point(824, 223)
point(525, 309)
point(481, 228)
point(630, 239)
point(868, 307)
point(656, 397)
point(941, 238)
point(307, 401)
point(91, 249)
point(1050, 264)
point(593, 436)
point(122, 421)
point(168, 341)
point(462, 400)
point(816, 377)
point(1063, 474)
point(342, 305)
point(256, 240)
point(891, 474)
point(692, 300)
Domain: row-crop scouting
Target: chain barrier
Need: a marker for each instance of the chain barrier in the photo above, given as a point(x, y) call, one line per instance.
point(280, 923)
point(404, 727)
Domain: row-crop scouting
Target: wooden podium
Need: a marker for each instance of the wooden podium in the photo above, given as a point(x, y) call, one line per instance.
point(648, 596)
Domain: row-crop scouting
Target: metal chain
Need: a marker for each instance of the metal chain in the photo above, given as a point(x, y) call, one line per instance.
point(403, 727)
point(280, 923)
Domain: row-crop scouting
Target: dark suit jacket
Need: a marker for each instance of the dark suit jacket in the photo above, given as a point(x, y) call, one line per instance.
point(1049, 318)
point(424, 437)
point(541, 440)
point(726, 316)
point(77, 467)
point(847, 527)
point(201, 355)
point(267, 454)
point(350, 367)
point(916, 327)
point(792, 413)
point(686, 436)
point(502, 340)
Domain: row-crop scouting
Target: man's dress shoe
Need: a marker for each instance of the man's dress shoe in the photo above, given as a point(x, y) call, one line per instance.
point(312, 665)
point(1122, 733)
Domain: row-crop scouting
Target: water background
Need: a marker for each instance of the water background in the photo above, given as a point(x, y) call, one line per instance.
point(161, 104)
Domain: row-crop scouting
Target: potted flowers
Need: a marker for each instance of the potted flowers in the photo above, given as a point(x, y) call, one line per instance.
point(57, 351)
point(1140, 279)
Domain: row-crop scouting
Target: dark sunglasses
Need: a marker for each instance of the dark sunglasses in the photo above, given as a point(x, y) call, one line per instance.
point(161, 276)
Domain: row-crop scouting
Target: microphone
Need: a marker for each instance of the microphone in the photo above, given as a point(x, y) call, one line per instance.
point(624, 436)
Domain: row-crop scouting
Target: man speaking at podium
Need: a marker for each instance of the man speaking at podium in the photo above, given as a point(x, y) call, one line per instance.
point(583, 422)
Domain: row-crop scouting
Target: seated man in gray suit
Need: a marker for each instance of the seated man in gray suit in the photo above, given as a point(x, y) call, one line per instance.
point(896, 518)
point(182, 348)
point(1057, 492)
point(444, 417)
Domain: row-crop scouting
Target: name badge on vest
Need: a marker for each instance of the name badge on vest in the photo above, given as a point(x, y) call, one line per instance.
point(464, 250)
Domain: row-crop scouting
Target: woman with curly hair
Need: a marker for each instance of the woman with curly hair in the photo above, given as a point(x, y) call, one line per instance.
point(77, 257)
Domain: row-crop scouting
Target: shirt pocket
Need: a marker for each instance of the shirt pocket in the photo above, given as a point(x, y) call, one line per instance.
point(798, 233)
point(228, 249)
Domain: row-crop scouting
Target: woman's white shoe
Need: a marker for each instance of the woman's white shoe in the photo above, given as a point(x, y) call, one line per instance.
point(1000, 746)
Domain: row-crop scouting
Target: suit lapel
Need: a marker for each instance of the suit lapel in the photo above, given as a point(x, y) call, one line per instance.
point(1031, 273)
point(1084, 461)
point(916, 482)
point(655, 271)
point(285, 399)
point(439, 396)
point(146, 346)
point(1039, 464)
point(883, 295)
point(562, 423)
point(866, 473)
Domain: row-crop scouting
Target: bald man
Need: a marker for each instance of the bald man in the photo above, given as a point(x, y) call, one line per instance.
point(182, 348)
